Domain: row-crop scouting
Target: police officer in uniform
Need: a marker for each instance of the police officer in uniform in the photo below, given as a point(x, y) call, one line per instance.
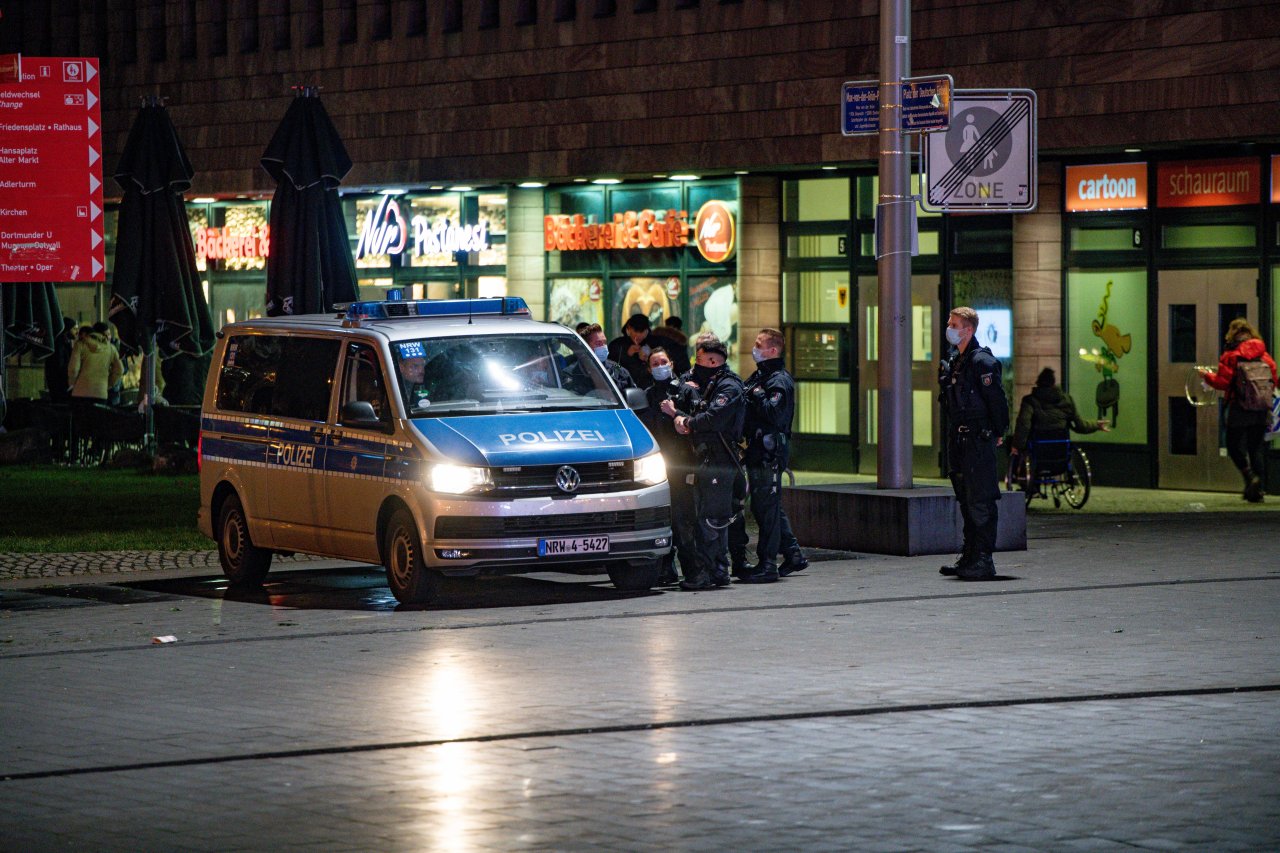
point(713, 428)
point(977, 418)
point(678, 453)
point(595, 339)
point(771, 404)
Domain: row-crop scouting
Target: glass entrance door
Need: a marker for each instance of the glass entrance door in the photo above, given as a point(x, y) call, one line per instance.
point(1195, 308)
point(926, 329)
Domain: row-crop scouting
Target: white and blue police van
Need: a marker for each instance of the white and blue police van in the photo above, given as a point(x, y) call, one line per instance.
point(438, 438)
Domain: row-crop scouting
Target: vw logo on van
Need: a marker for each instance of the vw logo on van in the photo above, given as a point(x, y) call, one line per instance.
point(568, 479)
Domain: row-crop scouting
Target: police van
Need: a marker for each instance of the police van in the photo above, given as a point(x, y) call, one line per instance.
point(437, 438)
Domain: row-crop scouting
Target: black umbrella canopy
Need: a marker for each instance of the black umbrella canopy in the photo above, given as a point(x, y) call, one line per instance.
point(155, 281)
point(310, 268)
point(32, 318)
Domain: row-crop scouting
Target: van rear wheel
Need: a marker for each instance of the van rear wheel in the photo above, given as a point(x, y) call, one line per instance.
point(410, 580)
point(244, 563)
point(635, 577)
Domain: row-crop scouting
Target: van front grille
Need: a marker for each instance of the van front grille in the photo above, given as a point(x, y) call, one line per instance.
point(577, 524)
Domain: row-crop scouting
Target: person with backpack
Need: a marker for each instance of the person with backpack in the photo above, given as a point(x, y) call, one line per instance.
point(1247, 376)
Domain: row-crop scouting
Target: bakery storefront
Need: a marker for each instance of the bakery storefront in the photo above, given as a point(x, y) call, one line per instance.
point(1160, 256)
point(660, 249)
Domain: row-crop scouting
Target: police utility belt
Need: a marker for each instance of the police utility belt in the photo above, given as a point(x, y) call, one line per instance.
point(969, 430)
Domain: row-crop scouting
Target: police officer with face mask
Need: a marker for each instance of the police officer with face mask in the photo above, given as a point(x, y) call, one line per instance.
point(771, 404)
point(594, 336)
point(713, 428)
point(669, 393)
point(977, 418)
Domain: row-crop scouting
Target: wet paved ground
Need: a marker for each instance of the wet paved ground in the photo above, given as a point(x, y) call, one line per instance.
point(1120, 690)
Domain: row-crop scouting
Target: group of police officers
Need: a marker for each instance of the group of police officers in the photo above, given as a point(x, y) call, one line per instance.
point(724, 439)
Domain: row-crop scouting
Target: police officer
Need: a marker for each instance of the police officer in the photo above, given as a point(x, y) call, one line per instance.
point(771, 404)
point(713, 428)
point(977, 419)
point(594, 336)
point(678, 453)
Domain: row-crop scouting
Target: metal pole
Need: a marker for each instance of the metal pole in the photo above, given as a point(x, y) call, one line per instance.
point(893, 263)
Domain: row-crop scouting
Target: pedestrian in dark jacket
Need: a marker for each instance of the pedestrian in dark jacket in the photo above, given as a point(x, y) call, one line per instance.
point(1048, 408)
point(1246, 427)
point(637, 342)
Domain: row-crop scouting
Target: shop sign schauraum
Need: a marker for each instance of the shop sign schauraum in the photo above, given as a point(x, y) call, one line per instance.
point(714, 231)
point(385, 233)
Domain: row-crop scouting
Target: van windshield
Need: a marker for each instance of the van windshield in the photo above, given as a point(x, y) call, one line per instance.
point(486, 375)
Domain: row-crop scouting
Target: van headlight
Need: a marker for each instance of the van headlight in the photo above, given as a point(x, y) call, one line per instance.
point(650, 470)
point(458, 479)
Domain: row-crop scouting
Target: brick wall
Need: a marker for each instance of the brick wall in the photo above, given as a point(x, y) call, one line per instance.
point(1037, 284)
point(525, 255)
point(716, 86)
point(759, 272)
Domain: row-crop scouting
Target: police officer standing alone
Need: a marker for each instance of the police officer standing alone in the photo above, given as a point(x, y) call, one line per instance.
point(977, 418)
point(713, 427)
point(771, 404)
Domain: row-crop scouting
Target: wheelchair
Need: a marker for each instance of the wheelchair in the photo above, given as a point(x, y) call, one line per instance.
point(1051, 467)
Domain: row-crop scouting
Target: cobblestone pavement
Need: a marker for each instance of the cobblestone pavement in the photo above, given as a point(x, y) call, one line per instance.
point(1119, 690)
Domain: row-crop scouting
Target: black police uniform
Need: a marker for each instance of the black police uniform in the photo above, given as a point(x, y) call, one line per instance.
point(771, 403)
point(714, 428)
point(977, 415)
point(681, 464)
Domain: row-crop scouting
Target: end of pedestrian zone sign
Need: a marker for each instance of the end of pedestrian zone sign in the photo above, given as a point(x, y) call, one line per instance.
point(987, 159)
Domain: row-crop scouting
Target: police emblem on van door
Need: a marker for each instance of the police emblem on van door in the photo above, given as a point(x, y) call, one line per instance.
point(568, 479)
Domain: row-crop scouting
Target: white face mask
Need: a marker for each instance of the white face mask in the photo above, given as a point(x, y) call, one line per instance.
point(662, 372)
point(758, 354)
point(954, 336)
point(602, 352)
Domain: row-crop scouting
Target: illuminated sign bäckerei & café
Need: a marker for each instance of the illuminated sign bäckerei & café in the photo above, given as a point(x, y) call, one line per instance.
point(1209, 183)
point(644, 229)
point(229, 242)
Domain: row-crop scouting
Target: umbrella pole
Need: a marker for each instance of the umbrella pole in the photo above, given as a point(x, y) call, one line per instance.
point(149, 395)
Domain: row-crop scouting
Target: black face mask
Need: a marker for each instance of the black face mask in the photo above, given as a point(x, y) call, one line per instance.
point(702, 375)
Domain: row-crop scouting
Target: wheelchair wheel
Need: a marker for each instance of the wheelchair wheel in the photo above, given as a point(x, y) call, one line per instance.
point(1019, 476)
point(1076, 481)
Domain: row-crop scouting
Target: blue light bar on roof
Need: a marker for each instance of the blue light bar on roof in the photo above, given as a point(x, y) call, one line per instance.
point(499, 305)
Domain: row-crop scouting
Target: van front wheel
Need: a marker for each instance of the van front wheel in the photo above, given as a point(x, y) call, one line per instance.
point(244, 563)
point(410, 580)
point(636, 577)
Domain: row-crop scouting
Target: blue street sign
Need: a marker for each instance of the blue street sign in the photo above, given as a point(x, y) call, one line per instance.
point(926, 105)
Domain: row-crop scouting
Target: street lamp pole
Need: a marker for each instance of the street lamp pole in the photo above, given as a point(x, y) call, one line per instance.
point(893, 253)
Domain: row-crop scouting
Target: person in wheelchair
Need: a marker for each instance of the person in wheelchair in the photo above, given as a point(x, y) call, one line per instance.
point(1050, 415)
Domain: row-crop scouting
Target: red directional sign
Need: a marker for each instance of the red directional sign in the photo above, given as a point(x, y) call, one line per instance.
point(51, 226)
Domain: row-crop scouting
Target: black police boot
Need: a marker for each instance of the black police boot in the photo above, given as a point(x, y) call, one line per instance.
point(740, 566)
point(793, 563)
point(982, 568)
point(764, 573)
point(953, 569)
point(696, 583)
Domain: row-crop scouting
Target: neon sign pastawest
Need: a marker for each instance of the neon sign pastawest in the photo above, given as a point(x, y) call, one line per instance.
point(385, 233)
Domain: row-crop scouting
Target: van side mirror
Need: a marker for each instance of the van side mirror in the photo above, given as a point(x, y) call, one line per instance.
point(637, 400)
point(360, 413)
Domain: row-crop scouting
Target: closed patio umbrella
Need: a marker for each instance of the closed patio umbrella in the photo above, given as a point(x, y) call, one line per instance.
point(310, 268)
point(156, 286)
point(32, 318)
